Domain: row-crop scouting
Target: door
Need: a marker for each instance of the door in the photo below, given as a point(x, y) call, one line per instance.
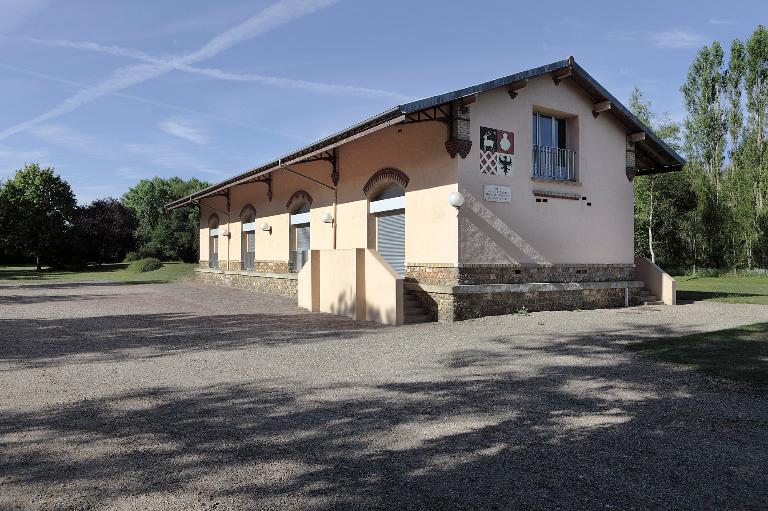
point(390, 238)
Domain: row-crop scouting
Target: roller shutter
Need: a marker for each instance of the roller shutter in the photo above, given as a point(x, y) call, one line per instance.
point(390, 239)
point(302, 246)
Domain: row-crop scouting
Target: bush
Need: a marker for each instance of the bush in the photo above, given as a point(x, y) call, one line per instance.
point(131, 257)
point(146, 264)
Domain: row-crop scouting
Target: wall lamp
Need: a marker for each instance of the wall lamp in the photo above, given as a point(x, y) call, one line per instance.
point(456, 199)
point(326, 218)
point(266, 227)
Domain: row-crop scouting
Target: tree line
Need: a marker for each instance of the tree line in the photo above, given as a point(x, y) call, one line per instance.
point(41, 222)
point(715, 212)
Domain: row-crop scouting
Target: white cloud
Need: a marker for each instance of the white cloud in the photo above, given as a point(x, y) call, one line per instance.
point(273, 16)
point(66, 137)
point(677, 39)
point(721, 21)
point(169, 157)
point(12, 159)
point(182, 128)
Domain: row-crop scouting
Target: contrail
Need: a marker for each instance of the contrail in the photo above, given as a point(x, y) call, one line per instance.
point(275, 81)
point(273, 16)
point(154, 102)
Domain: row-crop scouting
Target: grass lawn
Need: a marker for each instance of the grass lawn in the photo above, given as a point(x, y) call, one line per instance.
point(738, 353)
point(727, 288)
point(117, 272)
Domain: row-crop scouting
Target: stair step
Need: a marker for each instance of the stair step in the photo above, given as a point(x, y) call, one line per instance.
point(417, 318)
point(417, 309)
point(652, 302)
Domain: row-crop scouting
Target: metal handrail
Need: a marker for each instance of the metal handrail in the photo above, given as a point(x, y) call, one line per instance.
point(554, 163)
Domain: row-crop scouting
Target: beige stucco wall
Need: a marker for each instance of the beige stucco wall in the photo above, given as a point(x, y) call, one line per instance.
point(558, 231)
point(417, 150)
point(356, 283)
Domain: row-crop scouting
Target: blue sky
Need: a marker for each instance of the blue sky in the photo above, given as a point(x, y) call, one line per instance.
point(112, 92)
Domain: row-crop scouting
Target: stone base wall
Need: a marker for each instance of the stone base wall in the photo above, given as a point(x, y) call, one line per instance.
point(446, 307)
point(439, 287)
point(271, 267)
point(259, 266)
point(283, 285)
point(451, 275)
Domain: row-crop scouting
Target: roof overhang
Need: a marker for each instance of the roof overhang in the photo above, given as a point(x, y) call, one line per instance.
point(653, 155)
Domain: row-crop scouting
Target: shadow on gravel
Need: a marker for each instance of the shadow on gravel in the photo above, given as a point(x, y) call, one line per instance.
point(573, 432)
point(74, 285)
point(41, 342)
point(40, 299)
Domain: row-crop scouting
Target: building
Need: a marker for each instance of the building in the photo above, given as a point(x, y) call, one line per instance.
point(511, 194)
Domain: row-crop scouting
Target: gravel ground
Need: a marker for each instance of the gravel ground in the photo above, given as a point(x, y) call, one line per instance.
point(181, 396)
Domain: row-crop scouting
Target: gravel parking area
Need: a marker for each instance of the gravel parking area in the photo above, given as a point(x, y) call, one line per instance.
point(181, 396)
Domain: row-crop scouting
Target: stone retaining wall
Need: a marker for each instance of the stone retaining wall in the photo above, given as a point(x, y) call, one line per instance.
point(448, 275)
point(282, 284)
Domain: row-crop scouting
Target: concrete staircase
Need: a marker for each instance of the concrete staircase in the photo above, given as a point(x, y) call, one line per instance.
point(413, 310)
point(645, 297)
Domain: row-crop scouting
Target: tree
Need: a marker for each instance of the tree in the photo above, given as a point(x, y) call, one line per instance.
point(661, 235)
point(105, 230)
point(38, 210)
point(165, 234)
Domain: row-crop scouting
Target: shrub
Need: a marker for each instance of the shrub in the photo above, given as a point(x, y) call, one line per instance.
point(131, 257)
point(146, 264)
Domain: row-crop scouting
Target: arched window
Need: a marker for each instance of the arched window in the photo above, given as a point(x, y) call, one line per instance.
point(248, 241)
point(213, 241)
point(387, 210)
point(383, 178)
point(299, 206)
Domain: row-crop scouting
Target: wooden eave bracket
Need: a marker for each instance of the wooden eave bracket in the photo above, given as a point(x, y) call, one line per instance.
point(601, 106)
point(557, 76)
point(516, 87)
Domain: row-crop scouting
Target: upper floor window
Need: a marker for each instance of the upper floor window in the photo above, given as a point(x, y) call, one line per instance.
point(552, 156)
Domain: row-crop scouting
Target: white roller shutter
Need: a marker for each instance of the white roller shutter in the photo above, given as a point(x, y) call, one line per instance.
point(302, 246)
point(249, 255)
point(390, 239)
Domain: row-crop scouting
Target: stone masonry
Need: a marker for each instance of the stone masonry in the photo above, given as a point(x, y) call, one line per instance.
point(455, 293)
point(282, 284)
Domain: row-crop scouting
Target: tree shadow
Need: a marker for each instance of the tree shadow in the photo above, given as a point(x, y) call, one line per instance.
point(697, 296)
point(533, 426)
point(43, 342)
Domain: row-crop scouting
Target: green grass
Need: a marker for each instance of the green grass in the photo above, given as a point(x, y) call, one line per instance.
point(117, 272)
point(739, 353)
point(726, 288)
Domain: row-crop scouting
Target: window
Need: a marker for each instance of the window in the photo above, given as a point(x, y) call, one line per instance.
point(248, 243)
point(300, 236)
point(213, 242)
point(388, 209)
point(552, 157)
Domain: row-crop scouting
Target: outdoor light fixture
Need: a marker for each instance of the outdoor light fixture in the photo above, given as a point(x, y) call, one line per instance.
point(456, 199)
point(266, 227)
point(326, 218)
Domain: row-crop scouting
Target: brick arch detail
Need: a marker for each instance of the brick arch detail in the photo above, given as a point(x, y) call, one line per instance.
point(211, 218)
point(299, 194)
point(247, 208)
point(388, 175)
